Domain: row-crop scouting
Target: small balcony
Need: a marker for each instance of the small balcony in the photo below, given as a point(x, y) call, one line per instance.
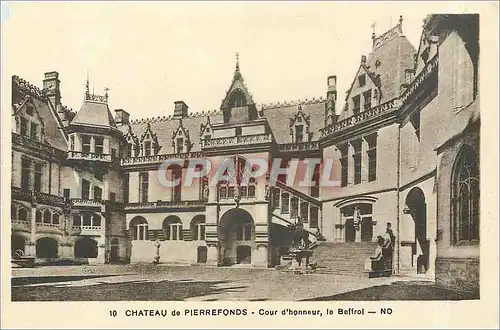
point(83, 203)
point(44, 227)
point(80, 155)
point(36, 197)
point(87, 230)
point(169, 205)
point(232, 141)
point(300, 146)
point(21, 225)
point(158, 159)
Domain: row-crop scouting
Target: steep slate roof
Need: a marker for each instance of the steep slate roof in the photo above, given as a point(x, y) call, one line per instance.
point(278, 116)
point(164, 128)
point(94, 113)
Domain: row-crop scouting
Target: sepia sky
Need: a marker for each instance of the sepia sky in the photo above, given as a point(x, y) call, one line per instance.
point(152, 54)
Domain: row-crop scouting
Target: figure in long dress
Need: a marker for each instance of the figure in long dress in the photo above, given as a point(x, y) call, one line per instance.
point(378, 262)
point(388, 246)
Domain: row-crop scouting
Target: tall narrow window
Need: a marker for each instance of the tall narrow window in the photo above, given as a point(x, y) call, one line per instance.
point(356, 104)
point(294, 208)
point(180, 145)
point(38, 177)
point(72, 142)
point(466, 197)
point(276, 198)
point(85, 189)
point(344, 165)
point(25, 174)
point(24, 126)
point(313, 222)
point(176, 176)
point(304, 212)
point(372, 157)
point(97, 193)
point(362, 80)
point(367, 99)
point(147, 148)
point(99, 145)
point(34, 131)
point(129, 150)
point(357, 161)
point(285, 203)
point(299, 133)
point(143, 187)
point(85, 143)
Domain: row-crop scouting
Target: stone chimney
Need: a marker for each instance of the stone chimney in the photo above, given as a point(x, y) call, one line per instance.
point(180, 110)
point(51, 87)
point(122, 117)
point(331, 94)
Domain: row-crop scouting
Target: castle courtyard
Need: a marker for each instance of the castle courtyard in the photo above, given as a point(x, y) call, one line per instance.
point(142, 282)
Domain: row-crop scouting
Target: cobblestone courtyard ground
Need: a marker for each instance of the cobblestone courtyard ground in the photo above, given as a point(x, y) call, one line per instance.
point(148, 282)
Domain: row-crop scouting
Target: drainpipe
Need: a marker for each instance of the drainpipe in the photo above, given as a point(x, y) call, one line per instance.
point(397, 202)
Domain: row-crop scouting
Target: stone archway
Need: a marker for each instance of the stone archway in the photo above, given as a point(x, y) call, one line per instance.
point(86, 247)
point(114, 254)
point(236, 236)
point(46, 247)
point(417, 208)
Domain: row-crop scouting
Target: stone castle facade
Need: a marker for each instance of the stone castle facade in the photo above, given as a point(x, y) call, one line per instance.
point(405, 149)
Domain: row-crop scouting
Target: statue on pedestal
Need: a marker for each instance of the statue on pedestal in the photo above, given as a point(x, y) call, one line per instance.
point(156, 259)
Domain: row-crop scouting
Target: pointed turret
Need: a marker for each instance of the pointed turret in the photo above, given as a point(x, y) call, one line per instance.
point(238, 105)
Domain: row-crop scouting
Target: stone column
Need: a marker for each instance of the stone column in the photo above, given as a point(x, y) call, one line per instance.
point(350, 164)
point(33, 224)
point(260, 255)
point(92, 144)
point(101, 253)
point(30, 249)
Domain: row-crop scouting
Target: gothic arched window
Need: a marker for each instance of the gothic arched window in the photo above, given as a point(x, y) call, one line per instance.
point(465, 197)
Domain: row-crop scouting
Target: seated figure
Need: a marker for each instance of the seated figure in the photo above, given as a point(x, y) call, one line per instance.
point(377, 260)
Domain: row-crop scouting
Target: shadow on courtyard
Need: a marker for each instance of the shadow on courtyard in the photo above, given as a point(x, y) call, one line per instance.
point(19, 281)
point(401, 290)
point(130, 291)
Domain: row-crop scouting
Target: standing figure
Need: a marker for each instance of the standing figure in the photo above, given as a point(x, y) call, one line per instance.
point(388, 246)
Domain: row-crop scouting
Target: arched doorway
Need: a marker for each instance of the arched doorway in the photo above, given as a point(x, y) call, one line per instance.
point(198, 228)
point(114, 255)
point(17, 245)
point(236, 236)
point(416, 206)
point(86, 247)
point(46, 247)
point(358, 222)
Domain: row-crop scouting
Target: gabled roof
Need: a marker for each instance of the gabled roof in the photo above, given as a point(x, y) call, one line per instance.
point(373, 77)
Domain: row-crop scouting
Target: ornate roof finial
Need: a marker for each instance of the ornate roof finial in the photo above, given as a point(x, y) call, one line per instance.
point(401, 23)
point(87, 86)
point(374, 24)
point(106, 89)
point(237, 61)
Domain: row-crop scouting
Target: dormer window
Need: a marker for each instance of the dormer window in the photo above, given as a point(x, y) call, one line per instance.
point(356, 104)
point(30, 109)
point(180, 145)
point(34, 131)
point(362, 80)
point(367, 99)
point(147, 148)
point(237, 100)
point(299, 133)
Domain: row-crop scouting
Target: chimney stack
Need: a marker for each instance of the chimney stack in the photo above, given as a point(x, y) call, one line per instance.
point(331, 94)
point(122, 117)
point(51, 87)
point(180, 110)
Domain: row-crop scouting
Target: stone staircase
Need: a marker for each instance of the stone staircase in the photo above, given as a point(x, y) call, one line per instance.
point(342, 258)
